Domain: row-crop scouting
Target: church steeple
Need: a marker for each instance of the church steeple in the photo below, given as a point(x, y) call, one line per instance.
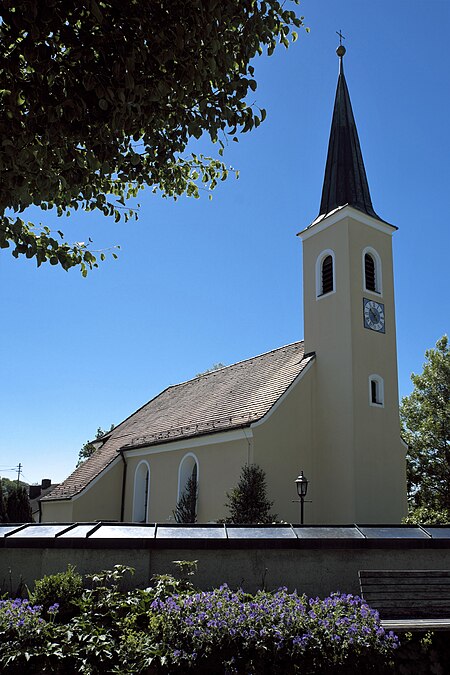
point(345, 180)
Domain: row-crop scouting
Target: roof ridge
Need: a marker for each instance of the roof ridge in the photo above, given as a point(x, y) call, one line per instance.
point(230, 365)
point(177, 384)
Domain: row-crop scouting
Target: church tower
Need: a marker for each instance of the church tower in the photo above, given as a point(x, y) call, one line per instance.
point(349, 321)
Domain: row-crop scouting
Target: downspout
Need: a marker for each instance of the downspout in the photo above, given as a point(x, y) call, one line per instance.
point(40, 511)
point(249, 445)
point(124, 480)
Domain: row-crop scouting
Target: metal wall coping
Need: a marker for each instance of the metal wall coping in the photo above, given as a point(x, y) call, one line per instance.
point(107, 534)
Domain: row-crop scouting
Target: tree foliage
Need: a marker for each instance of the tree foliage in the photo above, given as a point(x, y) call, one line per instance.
point(13, 495)
point(18, 506)
point(186, 509)
point(89, 448)
point(3, 512)
point(425, 515)
point(100, 98)
point(425, 417)
point(9, 485)
point(214, 367)
point(248, 501)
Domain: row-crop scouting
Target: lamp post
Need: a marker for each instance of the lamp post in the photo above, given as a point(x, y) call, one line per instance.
point(301, 483)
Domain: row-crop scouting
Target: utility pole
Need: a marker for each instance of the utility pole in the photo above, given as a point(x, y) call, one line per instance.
point(19, 471)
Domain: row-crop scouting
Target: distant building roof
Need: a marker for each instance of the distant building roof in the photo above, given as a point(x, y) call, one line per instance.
point(36, 493)
point(229, 398)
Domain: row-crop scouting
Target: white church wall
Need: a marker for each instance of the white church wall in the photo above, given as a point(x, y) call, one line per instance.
point(359, 459)
point(57, 511)
point(220, 458)
point(99, 501)
point(283, 446)
point(379, 454)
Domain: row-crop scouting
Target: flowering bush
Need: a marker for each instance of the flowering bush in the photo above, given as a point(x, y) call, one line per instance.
point(17, 617)
point(23, 634)
point(172, 628)
point(269, 633)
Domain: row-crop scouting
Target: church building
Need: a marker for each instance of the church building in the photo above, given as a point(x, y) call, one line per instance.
point(327, 405)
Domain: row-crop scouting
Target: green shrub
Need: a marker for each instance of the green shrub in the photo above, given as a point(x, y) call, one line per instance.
point(423, 654)
point(63, 589)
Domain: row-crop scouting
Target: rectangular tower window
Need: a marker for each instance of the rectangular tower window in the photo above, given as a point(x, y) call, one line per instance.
point(374, 388)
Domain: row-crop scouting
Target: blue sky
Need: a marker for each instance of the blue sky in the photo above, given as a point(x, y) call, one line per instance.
point(201, 281)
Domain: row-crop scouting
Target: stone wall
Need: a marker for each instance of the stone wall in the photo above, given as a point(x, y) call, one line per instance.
point(315, 561)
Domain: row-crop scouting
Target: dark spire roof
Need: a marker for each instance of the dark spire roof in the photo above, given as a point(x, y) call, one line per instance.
point(345, 180)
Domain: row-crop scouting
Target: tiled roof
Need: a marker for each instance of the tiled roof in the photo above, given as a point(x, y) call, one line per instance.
point(229, 398)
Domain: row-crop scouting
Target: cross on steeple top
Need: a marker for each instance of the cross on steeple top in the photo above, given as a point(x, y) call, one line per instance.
point(340, 51)
point(341, 37)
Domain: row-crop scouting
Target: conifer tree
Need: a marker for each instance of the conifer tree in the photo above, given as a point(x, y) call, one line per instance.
point(18, 506)
point(248, 501)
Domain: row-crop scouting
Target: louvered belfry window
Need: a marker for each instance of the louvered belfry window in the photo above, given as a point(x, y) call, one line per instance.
point(369, 268)
point(327, 275)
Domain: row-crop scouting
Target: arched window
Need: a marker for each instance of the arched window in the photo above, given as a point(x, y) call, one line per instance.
point(141, 493)
point(372, 270)
point(188, 467)
point(325, 274)
point(376, 391)
point(186, 510)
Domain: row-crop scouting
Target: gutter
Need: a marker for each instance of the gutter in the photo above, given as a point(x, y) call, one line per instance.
point(124, 480)
point(186, 437)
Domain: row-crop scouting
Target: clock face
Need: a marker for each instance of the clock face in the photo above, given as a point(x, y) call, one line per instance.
point(374, 315)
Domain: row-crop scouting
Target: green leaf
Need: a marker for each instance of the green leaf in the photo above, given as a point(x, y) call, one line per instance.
point(95, 9)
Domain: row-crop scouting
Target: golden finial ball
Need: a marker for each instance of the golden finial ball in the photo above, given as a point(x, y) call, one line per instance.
point(340, 51)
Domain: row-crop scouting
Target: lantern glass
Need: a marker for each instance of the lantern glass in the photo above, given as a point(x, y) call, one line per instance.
point(302, 485)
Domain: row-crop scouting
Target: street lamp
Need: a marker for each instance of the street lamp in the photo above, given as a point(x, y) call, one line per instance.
point(301, 483)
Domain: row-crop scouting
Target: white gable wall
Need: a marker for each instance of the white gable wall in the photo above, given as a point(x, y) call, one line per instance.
point(283, 447)
point(100, 500)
